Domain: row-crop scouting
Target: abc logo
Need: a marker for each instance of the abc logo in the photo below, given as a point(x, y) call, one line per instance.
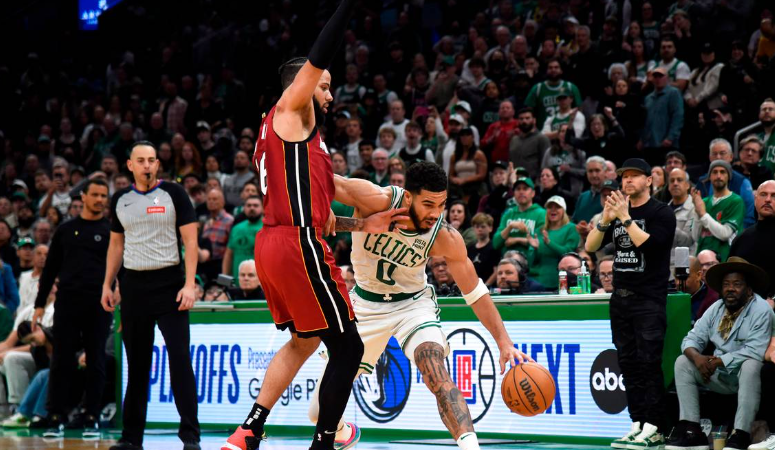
point(607, 384)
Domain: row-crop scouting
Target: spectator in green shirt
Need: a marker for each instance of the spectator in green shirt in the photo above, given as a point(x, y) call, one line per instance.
point(721, 214)
point(243, 236)
point(557, 237)
point(520, 222)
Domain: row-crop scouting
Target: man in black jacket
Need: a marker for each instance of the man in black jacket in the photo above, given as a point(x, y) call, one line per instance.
point(77, 256)
point(757, 243)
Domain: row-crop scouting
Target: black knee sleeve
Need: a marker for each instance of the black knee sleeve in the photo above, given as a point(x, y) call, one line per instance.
point(345, 350)
point(345, 353)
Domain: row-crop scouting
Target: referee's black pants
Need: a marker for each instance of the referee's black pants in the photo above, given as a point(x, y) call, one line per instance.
point(148, 298)
point(80, 322)
point(638, 326)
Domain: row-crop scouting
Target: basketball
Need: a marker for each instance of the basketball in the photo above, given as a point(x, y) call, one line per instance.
point(528, 389)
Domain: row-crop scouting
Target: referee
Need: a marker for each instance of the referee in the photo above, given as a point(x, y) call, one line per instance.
point(149, 220)
point(642, 230)
point(77, 256)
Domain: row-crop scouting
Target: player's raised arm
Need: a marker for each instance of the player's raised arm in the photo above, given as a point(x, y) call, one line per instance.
point(296, 96)
point(450, 244)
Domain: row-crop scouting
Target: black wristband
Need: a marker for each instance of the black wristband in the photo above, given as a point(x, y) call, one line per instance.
point(329, 40)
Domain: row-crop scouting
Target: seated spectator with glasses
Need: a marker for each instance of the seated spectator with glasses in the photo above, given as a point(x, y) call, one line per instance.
point(571, 264)
point(442, 280)
point(605, 272)
point(708, 259)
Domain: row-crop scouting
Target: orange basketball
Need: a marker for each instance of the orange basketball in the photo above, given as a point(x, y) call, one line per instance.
point(528, 389)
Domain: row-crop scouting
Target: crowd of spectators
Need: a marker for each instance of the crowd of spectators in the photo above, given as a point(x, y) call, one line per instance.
point(529, 106)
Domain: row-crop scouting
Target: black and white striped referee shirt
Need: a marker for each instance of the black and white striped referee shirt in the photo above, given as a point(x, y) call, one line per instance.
point(150, 222)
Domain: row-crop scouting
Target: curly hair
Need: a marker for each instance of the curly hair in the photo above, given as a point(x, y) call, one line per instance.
point(425, 175)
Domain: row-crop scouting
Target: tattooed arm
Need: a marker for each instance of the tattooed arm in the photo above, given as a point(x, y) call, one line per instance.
point(429, 357)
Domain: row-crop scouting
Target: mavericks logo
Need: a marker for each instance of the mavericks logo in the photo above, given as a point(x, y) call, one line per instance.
point(472, 367)
point(606, 383)
point(382, 394)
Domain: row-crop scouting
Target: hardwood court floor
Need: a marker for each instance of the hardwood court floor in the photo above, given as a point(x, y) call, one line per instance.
point(25, 440)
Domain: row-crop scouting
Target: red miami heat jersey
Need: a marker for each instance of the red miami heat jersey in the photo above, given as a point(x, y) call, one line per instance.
point(297, 178)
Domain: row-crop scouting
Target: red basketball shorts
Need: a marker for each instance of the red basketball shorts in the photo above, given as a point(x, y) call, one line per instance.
point(304, 288)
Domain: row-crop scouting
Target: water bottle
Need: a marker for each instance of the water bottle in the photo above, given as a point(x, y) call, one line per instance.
point(563, 282)
point(585, 282)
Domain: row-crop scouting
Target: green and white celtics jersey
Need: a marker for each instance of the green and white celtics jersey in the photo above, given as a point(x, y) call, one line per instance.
point(392, 262)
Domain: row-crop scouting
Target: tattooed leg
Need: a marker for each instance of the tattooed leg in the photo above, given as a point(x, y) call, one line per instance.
point(429, 357)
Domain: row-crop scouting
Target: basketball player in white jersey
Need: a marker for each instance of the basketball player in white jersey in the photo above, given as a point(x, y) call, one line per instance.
point(392, 296)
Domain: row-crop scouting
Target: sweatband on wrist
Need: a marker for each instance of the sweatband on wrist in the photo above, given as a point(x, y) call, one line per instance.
point(329, 40)
point(479, 291)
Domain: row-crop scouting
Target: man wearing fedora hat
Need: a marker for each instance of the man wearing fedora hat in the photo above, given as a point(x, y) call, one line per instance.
point(642, 231)
point(739, 326)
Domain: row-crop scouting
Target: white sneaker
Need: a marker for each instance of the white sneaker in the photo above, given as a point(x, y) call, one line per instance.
point(767, 444)
point(627, 438)
point(649, 439)
point(17, 420)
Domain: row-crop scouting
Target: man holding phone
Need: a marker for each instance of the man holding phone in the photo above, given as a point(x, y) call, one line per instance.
point(58, 194)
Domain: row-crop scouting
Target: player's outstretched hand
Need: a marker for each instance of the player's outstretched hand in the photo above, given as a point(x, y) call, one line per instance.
point(510, 354)
point(386, 221)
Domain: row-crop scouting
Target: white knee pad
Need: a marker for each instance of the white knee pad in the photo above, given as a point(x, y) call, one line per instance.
point(421, 336)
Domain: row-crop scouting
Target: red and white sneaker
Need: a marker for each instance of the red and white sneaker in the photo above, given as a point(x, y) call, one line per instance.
point(355, 436)
point(243, 439)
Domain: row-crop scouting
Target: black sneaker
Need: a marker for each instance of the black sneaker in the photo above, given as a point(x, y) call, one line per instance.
point(39, 423)
point(191, 446)
point(738, 440)
point(55, 431)
point(687, 436)
point(125, 445)
point(91, 428)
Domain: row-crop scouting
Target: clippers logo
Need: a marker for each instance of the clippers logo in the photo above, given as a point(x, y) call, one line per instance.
point(382, 394)
point(463, 365)
point(156, 210)
point(472, 367)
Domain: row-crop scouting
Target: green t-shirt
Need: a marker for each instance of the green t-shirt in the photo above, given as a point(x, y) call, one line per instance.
point(543, 99)
point(729, 210)
point(768, 156)
point(534, 217)
point(561, 241)
point(242, 242)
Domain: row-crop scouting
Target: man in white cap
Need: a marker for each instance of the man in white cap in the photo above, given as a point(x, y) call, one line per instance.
point(463, 108)
point(456, 123)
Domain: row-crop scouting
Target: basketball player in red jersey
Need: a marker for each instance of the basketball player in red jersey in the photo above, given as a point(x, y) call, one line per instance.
point(304, 288)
